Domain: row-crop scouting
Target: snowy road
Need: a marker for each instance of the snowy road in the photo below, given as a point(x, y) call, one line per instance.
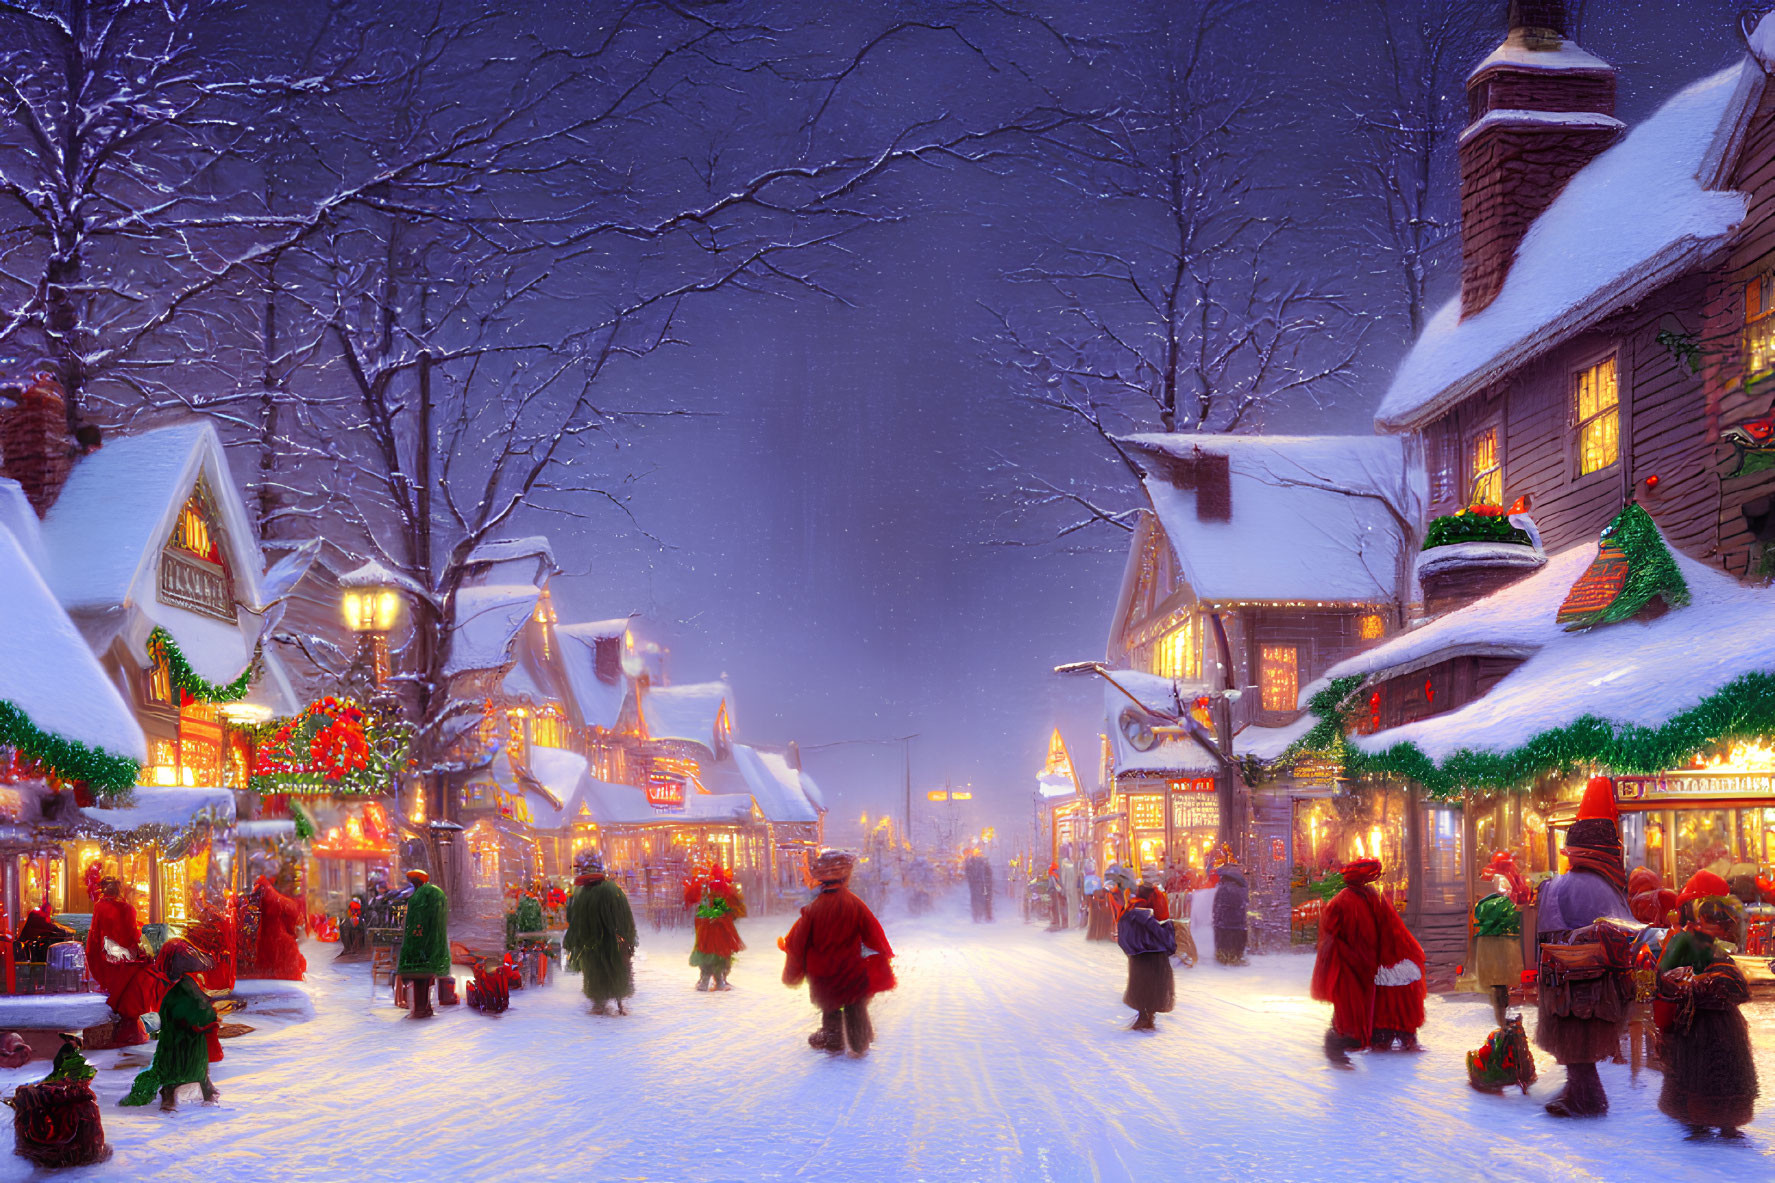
point(1003, 1056)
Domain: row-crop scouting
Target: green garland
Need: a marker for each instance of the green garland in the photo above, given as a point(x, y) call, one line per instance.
point(1470, 526)
point(106, 774)
point(304, 824)
point(1651, 572)
point(1743, 709)
point(162, 647)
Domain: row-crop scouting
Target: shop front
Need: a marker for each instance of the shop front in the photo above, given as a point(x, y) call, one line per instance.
point(1332, 828)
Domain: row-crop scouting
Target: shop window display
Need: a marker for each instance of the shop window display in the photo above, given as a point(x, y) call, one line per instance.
point(1331, 831)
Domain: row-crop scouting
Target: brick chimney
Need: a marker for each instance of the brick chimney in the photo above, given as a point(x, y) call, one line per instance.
point(1539, 109)
point(35, 449)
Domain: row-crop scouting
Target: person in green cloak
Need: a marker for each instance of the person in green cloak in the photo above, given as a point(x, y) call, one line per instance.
point(600, 941)
point(188, 1043)
point(425, 942)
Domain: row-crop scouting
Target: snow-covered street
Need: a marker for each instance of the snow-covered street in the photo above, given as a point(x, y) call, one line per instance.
point(1002, 1056)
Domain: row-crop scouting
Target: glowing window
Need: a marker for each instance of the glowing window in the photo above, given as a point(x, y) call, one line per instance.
point(1599, 418)
point(1370, 626)
point(1759, 325)
point(1176, 653)
point(1279, 677)
point(1485, 470)
point(548, 729)
point(160, 682)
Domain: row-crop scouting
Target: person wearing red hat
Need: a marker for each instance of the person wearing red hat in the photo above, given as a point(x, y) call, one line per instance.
point(717, 929)
point(1594, 888)
point(280, 925)
point(1149, 944)
point(1710, 1079)
point(1369, 967)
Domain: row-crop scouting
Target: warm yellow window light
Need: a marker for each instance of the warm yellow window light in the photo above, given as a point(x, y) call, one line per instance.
point(1176, 653)
point(1599, 418)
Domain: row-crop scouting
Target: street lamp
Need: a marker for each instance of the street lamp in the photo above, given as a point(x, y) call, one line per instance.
point(372, 606)
point(1175, 721)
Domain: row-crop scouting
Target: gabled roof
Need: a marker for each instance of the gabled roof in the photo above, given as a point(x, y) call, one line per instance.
point(487, 622)
point(1642, 213)
point(688, 712)
point(619, 805)
point(104, 534)
point(513, 560)
point(1633, 673)
point(46, 669)
point(598, 702)
point(776, 787)
point(1309, 515)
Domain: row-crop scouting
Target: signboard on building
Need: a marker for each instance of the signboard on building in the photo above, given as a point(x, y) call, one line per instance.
point(1678, 786)
point(665, 793)
point(1195, 811)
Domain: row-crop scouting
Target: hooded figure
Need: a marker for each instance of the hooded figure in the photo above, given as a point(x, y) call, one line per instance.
point(1710, 1078)
point(120, 964)
point(717, 929)
point(1594, 889)
point(1149, 944)
point(425, 941)
point(1231, 900)
point(826, 948)
point(600, 940)
point(1369, 967)
point(280, 926)
point(188, 1042)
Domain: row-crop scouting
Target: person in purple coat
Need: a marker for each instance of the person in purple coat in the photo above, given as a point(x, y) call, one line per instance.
point(1595, 888)
point(1149, 944)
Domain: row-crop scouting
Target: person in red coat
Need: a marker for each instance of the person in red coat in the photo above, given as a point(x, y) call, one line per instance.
point(717, 929)
point(1369, 967)
point(277, 954)
point(826, 948)
point(118, 962)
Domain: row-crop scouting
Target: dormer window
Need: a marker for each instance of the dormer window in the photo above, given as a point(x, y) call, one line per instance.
point(1279, 677)
point(193, 569)
point(1599, 417)
point(1759, 325)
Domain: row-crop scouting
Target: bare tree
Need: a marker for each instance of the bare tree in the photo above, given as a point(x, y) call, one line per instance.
point(1402, 182)
point(1183, 307)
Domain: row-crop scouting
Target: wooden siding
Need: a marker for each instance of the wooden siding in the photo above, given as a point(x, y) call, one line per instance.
point(1663, 431)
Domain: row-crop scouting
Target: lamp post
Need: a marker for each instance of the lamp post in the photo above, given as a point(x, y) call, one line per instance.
point(1217, 744)
point(372, 604)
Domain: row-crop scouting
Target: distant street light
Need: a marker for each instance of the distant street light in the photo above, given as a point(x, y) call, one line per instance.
point(372, 605)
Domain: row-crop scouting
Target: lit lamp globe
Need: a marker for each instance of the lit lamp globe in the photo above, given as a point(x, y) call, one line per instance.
point(372, 600)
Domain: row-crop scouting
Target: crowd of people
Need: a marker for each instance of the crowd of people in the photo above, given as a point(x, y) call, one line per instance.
point(1612, 951)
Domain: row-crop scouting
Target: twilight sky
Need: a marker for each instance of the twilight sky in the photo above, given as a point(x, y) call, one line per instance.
point(827, 524)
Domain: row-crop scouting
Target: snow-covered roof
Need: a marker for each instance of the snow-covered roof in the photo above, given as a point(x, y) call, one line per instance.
point(687, 712)
point(625, 805)
point(1309, 516)
point(1268, 743)
point(774, 785)
point(1630, 673)
point(175, 807)
point(1566, 57)
point(46, 669)
point(599, 702)
point(500, 550)
point(104, 534)
point(1171, 753)
point(1640, 214)
point(513, 560)
point(556, 787)
point(118, 508)
point(488, 621)
point(17, 516)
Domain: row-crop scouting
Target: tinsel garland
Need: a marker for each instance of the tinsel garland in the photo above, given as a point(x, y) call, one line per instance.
point(69, 759)
point(1651, 571)
point(1743, 709)
point(162, 647)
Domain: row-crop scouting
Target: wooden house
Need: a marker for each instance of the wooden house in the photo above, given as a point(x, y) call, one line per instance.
point(1261, 562)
